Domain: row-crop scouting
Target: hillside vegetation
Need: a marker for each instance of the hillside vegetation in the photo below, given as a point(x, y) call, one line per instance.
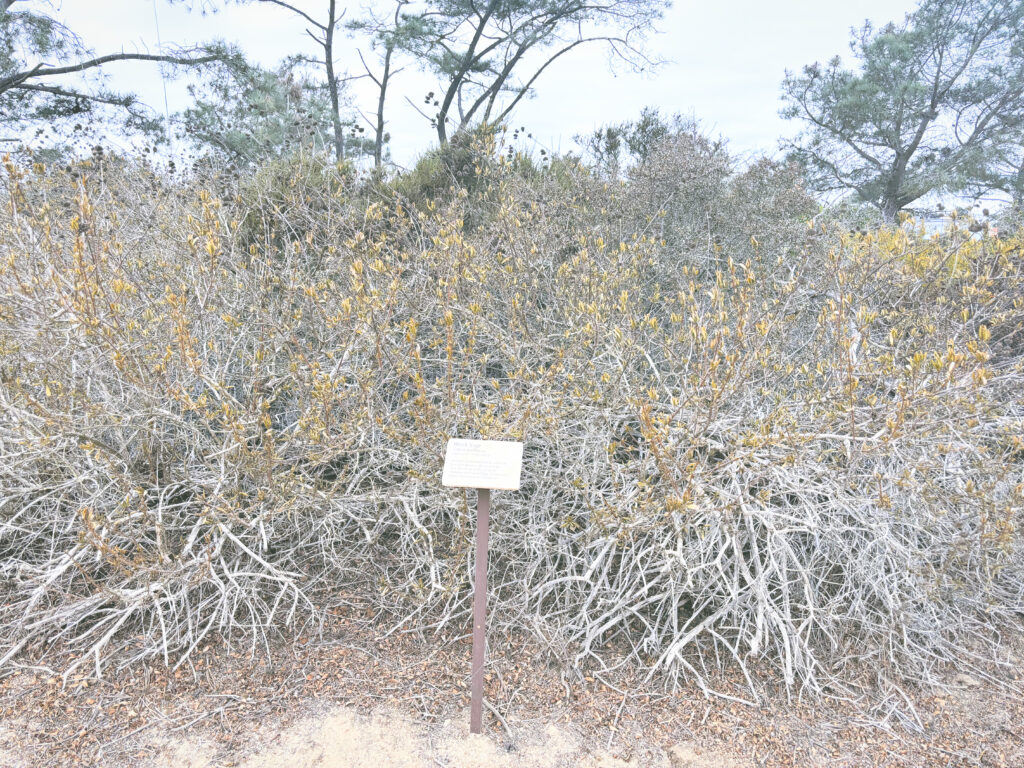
point(753, 440)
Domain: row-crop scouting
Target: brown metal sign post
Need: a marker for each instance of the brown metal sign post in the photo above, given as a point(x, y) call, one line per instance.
point(483, 512)
point(484, 465)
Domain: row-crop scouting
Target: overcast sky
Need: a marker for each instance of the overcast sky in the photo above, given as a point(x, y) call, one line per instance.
point(725, 62)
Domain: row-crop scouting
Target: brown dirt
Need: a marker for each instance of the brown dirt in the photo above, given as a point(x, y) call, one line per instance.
point(351, 700)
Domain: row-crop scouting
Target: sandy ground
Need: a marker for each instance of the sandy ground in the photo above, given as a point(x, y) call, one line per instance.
point(341, 737)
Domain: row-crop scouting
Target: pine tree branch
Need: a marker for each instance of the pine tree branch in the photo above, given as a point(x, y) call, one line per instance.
point(124, 101)
point(42, 70)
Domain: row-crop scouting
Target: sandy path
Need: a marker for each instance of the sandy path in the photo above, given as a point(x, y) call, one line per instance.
point(343, 738)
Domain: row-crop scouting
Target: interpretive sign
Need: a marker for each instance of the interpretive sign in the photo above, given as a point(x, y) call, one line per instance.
point(485, 465)
point(492, 464)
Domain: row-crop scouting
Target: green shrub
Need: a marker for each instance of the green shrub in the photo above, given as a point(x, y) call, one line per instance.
point(276, 200)
point(443, 172)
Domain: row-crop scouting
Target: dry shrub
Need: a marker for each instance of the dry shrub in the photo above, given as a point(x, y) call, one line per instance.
point(785, 459)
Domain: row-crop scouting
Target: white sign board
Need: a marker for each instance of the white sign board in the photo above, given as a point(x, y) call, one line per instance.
point(491, 464)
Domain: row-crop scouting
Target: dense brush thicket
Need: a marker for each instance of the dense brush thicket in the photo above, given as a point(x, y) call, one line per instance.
point(754, 442)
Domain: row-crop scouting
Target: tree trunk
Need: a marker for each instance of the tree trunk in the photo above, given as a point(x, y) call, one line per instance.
point(889, 209)
point(332, 84)
point(378, 145)
point(890, 204)
point(467, 63)
point(442, 131)
point(1017, 191)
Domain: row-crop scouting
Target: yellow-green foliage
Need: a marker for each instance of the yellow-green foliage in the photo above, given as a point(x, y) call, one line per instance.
point(299, 181)
point(460, 165)
point(785, 450)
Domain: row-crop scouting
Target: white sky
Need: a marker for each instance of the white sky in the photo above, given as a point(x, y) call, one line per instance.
point(726, 60)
